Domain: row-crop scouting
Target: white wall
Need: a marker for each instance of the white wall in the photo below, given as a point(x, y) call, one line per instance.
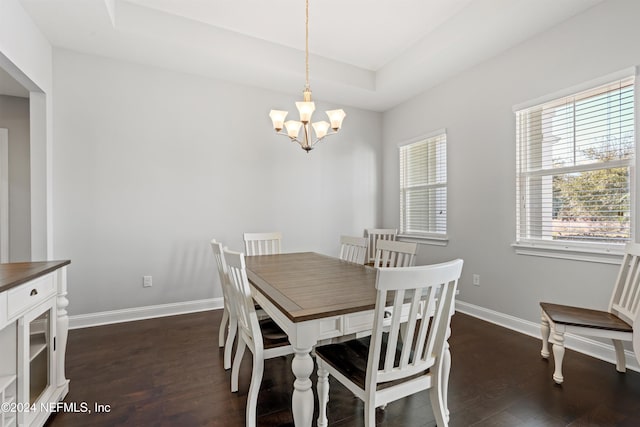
point(151, 164)
point(24, 46)
point(26, 55)
point(14, 116)
point(476, 109)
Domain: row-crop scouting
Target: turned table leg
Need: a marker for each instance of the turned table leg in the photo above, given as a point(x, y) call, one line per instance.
point(323, 395)
point(302, 402)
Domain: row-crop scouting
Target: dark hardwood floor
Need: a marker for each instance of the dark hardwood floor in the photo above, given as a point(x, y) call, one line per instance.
point(168, 372)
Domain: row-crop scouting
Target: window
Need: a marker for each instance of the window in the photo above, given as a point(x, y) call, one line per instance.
point(575, 161)
point(423, 187)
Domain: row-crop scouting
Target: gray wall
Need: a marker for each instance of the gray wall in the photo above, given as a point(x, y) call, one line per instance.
point(476, 109)
point(14, 116)
point(151, 164)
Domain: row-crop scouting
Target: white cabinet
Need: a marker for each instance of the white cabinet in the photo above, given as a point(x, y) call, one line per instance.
point(33, 336)
point(8, 376)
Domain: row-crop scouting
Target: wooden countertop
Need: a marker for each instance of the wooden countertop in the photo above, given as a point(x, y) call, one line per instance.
point(17, 273)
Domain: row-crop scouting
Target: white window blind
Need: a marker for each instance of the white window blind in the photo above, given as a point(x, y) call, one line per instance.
point(575, 161)
point(423, 187)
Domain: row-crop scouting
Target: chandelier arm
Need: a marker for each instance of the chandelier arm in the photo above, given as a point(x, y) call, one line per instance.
point(284, 133)
point(328, 134)
point(311, 144)
point(292, 139)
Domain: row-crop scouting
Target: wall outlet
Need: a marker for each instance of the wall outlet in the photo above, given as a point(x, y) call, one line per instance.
point(147, 281)
point(476, 279)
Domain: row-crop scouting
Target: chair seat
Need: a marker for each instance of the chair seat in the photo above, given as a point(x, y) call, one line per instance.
point(350, 359)
point(584, 317)
point(272, 335)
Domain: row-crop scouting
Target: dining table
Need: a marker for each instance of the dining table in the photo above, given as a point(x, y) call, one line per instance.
point(315, 298)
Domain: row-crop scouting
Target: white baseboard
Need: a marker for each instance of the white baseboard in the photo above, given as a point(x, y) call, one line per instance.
point(141, 313)
point(578, 343)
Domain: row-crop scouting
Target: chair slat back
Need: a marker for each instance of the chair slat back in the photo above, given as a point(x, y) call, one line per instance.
point(353, 249)
point(423, 299)
point(262, 243)
point(241, 297)
point(375, 234)
point(217, 249)
point(625, 300)
point(221, 266)
point(391, 253)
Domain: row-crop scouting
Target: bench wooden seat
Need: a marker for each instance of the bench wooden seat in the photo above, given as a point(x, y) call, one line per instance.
point(578, 316)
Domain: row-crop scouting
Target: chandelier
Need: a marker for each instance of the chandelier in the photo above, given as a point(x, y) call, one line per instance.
point(306, 109)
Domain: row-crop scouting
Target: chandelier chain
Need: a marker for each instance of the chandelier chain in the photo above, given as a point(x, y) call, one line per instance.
point(306, 48)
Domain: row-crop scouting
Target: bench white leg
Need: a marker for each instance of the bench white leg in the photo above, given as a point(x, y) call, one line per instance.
point(621, 364)
point(558, 355)
point(544, 329)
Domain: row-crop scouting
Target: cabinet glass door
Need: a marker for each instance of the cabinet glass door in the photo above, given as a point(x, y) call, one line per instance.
point(39, 343)
point(36, 360)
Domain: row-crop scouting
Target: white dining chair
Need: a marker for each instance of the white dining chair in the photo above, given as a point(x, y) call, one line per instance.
point(228, 314)
point(385, 367)
point(262, 243)
point(375, 234)
point(264, 338)
point(391, 253)
point(617, 323)
point(353, 249)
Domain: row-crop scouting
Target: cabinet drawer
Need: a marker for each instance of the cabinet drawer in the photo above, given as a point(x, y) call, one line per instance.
point(28, 295)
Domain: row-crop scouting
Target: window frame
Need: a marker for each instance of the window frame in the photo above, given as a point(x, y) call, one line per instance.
point(427, 237)
point(566, 249)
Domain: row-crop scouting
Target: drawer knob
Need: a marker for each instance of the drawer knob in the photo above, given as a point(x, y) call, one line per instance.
point(33, 292)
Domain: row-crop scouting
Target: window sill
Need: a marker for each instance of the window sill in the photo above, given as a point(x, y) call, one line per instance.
point(440, 240)
point(572, 252)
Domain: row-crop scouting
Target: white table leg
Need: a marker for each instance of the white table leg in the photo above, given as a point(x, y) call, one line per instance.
point(323, 395)
point(302, 402)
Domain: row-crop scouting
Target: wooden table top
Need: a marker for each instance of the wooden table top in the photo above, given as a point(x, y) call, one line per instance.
point(306, 286)
point(16, 273)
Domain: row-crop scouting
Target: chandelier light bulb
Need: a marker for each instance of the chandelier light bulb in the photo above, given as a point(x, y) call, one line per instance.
point(336, 117)
point(306, 110)
point(293, 128)
point(277, 117)
point(321, 129)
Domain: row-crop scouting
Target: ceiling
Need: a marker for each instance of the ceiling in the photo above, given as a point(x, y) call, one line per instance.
point(364, 53)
